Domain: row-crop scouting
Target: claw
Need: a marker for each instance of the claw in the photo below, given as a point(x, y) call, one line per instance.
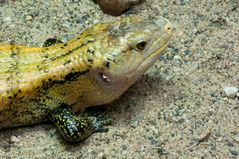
point(101, 130)
point(100, 122)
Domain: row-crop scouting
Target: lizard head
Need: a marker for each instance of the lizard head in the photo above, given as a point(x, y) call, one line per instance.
point(129, 50)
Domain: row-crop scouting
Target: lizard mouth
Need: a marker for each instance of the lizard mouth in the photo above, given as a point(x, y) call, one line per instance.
point(159, 44)
point(154, 50)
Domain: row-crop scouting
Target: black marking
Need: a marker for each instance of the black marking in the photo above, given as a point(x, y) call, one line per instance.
point(67, 62)
point(46, 56)
point(8, 78)
point(90, 61)
point(13, 69)
point(113, 60)
point(90, 51)
point(43, 65)
point(69, 77)
point(13, 54)
point(107, 64)
point(14, 95)
point(74, 75)
point(71, 51)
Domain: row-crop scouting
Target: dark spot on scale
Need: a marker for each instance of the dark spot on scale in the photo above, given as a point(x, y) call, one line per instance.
point(67, 62)
point(109, 59)
point(44, 93)
point(62, 47)
point(65, 44)
point(13, 54)
point(47, 97)
point(15, 95)
point(107, 64)
point(80, 98)
point(65, 53)
point(74, 75)
point(90, 60)
point(90, 51)
point(19, 91)
point(78, 38)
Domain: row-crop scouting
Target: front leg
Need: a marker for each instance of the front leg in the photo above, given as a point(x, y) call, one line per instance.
point(75, 129)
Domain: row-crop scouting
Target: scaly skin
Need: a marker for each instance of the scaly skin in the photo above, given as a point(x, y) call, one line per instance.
point(92, 69)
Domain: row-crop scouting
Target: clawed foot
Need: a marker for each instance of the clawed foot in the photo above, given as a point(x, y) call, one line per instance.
point(99, 123)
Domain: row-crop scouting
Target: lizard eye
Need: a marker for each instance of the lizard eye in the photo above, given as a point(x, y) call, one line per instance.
point(141, 45)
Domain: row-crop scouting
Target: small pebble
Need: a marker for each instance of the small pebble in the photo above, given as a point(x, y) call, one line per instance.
point(14, 139)
point(124, 147)
point(102, 155)
point(177, 57)
point(234, 153)
point(187, 52)
point(66, 24)
point(28, 17)
point(230, 91)
point(117, 7)
point(7, 19)
point(236, 138)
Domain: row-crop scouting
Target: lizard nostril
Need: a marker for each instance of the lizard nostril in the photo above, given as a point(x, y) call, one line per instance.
point(169, 28)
